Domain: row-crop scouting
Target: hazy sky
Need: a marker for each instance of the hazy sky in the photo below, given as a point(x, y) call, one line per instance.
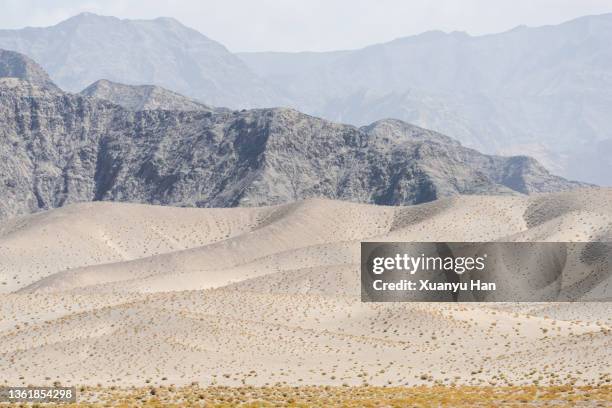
point(317, 25)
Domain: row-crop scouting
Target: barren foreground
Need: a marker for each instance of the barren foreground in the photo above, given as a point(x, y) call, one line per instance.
point(356, 397)
point(133, 295)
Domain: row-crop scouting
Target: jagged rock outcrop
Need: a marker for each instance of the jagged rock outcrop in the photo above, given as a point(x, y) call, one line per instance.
point(58, 148)
point(142, 97)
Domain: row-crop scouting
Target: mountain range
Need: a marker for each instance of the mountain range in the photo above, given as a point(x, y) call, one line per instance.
point(541, 91)
point(163, 52)
point(58, 148)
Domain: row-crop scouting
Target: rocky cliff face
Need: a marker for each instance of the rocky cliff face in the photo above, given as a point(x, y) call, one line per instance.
point(58, 148)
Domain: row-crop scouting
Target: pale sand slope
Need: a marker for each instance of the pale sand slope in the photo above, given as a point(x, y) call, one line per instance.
point(138, 301)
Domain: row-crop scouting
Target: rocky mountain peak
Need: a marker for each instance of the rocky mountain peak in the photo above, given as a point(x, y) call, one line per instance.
point(16, 65)
point(141, 97)
point(396, 130)
point(162, 52)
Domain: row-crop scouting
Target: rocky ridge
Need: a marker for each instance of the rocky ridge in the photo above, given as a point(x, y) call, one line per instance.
point(141, 97)
point(58, 148)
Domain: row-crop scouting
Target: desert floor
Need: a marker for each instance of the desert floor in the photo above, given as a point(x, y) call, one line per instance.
point(127, 295)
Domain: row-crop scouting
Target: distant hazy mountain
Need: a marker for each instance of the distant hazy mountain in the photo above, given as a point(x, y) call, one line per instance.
point(163, 52)
point(58, 148)
point(543, 91)
point(141, 97)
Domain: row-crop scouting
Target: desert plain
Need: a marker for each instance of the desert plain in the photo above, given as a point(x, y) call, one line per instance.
point(135, 297)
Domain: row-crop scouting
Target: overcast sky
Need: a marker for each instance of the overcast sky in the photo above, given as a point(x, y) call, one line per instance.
point(312, 25)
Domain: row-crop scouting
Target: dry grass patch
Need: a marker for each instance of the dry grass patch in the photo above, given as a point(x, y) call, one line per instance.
point(325, 396)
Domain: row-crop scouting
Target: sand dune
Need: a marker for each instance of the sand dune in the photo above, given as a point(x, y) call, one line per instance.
point(124, 294)
point(197, 251)
point(81, 235)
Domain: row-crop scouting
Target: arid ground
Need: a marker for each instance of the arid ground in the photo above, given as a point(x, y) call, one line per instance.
point(110, 296)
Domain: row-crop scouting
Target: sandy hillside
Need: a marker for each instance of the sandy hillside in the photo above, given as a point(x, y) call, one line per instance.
point(124, 294)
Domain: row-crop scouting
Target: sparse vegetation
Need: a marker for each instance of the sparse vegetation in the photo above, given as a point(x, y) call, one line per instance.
point(326, 396)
